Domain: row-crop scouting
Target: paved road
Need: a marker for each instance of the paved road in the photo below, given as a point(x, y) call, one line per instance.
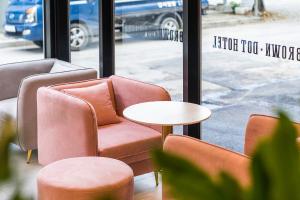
point(235, 84)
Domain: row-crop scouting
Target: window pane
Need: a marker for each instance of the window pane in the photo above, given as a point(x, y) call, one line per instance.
point(21, 30)
point(84, 31)
point(149, 42)
point(250, 65)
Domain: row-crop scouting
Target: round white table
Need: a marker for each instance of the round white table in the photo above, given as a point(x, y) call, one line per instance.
point(166, 114)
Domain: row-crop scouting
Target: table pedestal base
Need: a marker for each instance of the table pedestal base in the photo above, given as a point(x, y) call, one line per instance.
point(166, 130)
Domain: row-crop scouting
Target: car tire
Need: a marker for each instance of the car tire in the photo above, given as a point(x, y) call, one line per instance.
point(79, 36)
point(38, 43)
point(169, 23)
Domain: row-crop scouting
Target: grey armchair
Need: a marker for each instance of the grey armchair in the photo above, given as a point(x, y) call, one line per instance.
point(18, 86)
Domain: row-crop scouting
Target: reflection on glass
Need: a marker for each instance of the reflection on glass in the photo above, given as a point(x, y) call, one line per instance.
point(149, 42)
point(21, 30)
point(84, 29)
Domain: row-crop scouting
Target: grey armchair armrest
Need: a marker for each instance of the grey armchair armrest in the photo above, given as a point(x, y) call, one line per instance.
point(27, 82)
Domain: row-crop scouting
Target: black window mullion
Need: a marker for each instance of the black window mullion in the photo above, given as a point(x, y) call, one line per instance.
point(106, 38)
point(57, 29)
point(192, 59)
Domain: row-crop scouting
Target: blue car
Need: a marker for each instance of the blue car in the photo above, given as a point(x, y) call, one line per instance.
point(24, 18)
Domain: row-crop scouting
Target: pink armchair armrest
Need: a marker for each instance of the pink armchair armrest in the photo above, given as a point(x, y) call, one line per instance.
point(67, 126)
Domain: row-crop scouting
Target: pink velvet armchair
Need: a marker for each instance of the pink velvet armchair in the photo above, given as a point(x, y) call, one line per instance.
point(67, 125)
point(215, 159)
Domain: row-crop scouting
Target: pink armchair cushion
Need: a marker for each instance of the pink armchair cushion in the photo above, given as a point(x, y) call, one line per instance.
point(88, 83)
point(100, 98)
point(127, 141)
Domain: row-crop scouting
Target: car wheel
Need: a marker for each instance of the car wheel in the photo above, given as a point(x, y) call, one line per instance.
point(169, 23)
point(79, 36)
point(38, 43)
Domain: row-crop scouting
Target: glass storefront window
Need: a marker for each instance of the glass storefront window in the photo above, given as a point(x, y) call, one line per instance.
point(250, 65)
point(21, 30)
point(149, 42)
point(84, 32)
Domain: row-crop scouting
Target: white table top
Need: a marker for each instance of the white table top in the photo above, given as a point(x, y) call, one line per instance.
point(167, 113)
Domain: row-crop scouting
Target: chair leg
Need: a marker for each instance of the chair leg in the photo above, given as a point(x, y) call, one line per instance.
point(156, 178)
point(29, 152)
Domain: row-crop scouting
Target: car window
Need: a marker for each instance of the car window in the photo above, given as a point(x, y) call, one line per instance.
point(26, 1)
point(126, 1)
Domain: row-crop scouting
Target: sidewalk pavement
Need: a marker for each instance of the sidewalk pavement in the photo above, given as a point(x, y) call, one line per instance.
point(216, 19)
point(6, 41)
point(212, 19)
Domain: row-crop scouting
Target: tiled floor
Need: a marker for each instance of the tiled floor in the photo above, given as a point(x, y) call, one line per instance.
point(145, 188)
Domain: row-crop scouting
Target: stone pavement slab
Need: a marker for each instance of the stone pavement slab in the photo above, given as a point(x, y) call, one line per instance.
point(226, 126)
point(6, 41)
point(215, 19)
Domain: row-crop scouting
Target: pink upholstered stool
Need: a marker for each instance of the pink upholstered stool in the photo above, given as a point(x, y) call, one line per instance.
point(85, 178)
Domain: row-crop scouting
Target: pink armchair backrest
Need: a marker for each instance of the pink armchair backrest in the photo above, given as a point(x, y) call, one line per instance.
point(211, 158)
point(126, 92)
point(258, 127)
point(129, 92)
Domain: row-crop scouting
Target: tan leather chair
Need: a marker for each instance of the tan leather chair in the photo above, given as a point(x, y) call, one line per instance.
point(67, 125)
point(18, 85)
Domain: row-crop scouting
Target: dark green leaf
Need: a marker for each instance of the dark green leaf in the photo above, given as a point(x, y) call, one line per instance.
point(229, 188)
point(7, 134)
point(261, 188)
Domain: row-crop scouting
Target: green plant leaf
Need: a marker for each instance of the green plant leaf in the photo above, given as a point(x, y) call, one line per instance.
point(18, 196)
point(260, 189)
point(229, 188)
point(7, 134)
